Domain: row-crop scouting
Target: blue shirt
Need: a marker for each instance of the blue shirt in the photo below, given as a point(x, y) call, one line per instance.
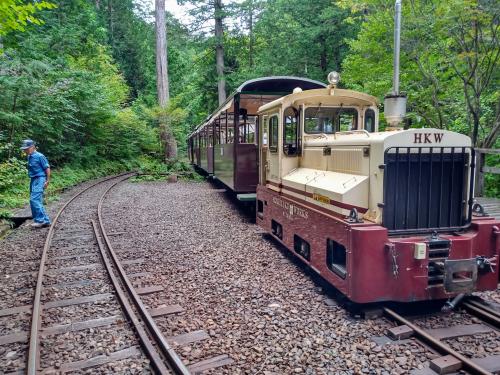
point(37, 164)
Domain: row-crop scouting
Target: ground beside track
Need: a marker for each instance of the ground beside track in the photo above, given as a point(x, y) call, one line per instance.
point(21, 254)
point(253, 302)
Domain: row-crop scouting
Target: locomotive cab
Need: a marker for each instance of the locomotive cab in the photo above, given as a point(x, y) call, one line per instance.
point(318, 142)
point(379, 215)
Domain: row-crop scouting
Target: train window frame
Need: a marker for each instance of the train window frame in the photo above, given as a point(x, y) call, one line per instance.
point(335, 123)
point(302, 247)
point(339, 268)
point(223, 128)
point(264, 120)
point(354, 113)
point(369, 113)
point(317, 109)
point(248, 129)
point(273, 131)
point(276, 229)
point(291, 148)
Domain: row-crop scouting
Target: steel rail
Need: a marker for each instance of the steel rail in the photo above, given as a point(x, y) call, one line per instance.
point(467, 364)
point(173, 359)
point(483, 312)
point(484, 307)
point(33, 353)
point(152, 353)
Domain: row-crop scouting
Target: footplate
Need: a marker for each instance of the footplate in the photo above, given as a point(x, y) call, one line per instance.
point(460, 276)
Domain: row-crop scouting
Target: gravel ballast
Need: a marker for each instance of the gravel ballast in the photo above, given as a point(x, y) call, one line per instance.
point(234, 283)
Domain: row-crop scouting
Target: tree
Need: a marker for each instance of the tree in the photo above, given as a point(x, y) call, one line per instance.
point(449, 62)
point(201, 12)
point(61, 87)
point(295, 37)
point(219, 51)
point(16, 16)
point(473, 51)
point(166, 134)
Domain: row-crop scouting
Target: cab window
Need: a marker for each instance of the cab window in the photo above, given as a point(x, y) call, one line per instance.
point(273, 133)
point(319, 120)
point(348, 120)
point(370, 120)
point(330, 120)
point(290, 131)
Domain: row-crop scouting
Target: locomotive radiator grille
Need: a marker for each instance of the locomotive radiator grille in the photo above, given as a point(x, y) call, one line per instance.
point(439, 251)
point(427, 189)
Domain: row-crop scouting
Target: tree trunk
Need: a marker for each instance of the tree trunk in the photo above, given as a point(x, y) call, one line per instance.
point(12, 128)
point(250, 32)
point(323, 63)
point(166, 135)
point(110, 21)
point(475, 131)
point(161, 55)
point(219, 52)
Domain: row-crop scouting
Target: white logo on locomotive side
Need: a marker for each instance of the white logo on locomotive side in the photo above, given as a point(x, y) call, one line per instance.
point(291, 210)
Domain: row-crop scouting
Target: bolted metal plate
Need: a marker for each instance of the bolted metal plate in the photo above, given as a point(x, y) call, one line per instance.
point(460, 276)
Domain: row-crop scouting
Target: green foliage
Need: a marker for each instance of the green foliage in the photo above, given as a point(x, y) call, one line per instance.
point(153, 170)
point(449, 64)
point(15, 15)
point(433, 59)
point(61, 87)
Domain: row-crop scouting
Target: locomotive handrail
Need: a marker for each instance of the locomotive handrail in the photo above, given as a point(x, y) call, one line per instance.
point(317, 135)
point(354, 131)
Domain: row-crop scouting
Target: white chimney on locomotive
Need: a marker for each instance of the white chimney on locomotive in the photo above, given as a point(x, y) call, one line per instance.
point(395, 102)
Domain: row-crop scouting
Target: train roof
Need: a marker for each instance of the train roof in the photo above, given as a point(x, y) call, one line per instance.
point(266, 85)
point(278, 84)
point(325, 96)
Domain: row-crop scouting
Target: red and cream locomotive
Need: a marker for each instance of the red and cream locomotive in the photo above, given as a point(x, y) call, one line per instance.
point(382, 216)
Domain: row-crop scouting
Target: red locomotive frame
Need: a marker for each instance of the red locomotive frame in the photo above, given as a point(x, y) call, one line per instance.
point(371, 276)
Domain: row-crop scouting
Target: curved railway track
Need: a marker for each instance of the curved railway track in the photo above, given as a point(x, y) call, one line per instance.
point(212, 326)
point(162, 358)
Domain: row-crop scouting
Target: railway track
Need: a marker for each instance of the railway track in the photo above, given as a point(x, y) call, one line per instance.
point(223, 307)
point(452, 360)
point(106, 324)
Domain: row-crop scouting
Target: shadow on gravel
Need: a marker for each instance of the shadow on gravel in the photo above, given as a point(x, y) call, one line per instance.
point(245, 209)
point(356, 310)
point(332, 295)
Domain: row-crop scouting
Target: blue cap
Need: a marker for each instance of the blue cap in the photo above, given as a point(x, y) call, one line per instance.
point(27, 143)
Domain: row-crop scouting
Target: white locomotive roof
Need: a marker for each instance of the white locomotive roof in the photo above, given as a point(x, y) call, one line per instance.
point(327, 96)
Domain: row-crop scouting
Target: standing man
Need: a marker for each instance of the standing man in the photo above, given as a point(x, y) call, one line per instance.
point(39, 172)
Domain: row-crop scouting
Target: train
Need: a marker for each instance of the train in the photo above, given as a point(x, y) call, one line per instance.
point(380, 215)
point(225, 145)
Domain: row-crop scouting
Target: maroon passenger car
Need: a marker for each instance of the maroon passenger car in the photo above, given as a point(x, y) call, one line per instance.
point(225, 145)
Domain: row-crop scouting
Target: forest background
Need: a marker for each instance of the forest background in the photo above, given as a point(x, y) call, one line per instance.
point(78, 76)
